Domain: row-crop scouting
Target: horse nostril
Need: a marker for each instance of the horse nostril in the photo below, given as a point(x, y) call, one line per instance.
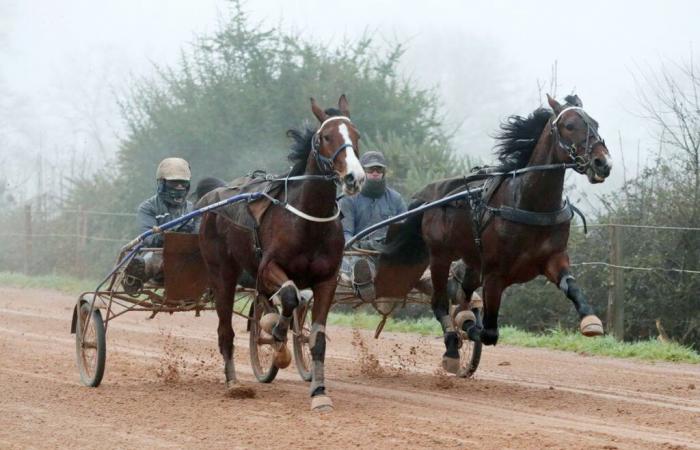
point(349, 178)
point(598, 163)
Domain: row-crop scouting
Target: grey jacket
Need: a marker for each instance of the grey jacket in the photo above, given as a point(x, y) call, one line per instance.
point(360, 212)
point(154, 211)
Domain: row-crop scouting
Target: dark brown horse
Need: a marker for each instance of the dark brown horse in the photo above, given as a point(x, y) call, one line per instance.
point(299, 247)
point(512, 248)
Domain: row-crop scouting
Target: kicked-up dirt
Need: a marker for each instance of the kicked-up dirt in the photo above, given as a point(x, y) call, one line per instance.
point(164, 387)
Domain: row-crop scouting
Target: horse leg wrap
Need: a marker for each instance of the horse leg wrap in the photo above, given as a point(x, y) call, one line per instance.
point(279, 332)
point(567, 283)
point(564, 282)
point(317, 345)
point(447, 324)
point(230, 371)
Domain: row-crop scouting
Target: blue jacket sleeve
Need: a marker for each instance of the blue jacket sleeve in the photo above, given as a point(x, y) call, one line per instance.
point(146, 216)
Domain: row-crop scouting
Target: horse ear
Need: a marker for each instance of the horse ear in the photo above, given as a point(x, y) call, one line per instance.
point(318, 112)
point(554, 104)
point(574, 100)
point(343, 106)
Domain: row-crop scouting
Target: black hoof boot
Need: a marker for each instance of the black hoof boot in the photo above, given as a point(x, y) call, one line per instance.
point(450, 360)
point(489, 336)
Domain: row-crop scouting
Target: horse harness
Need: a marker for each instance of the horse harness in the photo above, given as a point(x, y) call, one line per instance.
point(592, 139)
point(482, 213)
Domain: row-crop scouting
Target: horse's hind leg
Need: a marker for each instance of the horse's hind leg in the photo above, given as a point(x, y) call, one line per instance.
point(439, 271)
point(493, 289)
point(222, 276)
point(224, 287)
point(558, 272)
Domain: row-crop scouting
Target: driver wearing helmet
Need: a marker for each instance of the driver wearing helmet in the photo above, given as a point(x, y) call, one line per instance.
point(170, 202)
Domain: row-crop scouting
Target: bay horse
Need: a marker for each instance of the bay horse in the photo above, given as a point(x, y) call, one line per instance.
point(299, 247)
point(501, 249)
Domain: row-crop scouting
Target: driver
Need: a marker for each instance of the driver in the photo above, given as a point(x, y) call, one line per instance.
point(374, 203)
point(170, 202)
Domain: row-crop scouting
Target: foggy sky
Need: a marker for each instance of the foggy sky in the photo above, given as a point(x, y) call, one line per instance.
point(61, 62)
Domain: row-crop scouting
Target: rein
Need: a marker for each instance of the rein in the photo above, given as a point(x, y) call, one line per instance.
point(460, 195)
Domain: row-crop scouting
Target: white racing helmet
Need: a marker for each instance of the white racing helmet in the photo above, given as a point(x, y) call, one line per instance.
point(173, 177)
point(173, 169)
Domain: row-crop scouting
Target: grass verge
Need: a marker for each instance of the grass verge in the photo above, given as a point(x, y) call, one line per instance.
point(62, 283)
point(557, 339)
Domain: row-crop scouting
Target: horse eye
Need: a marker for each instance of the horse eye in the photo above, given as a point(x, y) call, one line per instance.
point(570, 126)
point(326, 138)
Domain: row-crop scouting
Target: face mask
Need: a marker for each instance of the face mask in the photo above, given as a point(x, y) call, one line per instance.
point(173, 192)
point(374, 188)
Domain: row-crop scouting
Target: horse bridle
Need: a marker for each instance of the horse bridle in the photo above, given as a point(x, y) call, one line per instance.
point(324, 163)
point(584, 161)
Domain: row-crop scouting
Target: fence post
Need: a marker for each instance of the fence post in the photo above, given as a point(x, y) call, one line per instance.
point(27, 239)
point(80, 240)
point(616, 293)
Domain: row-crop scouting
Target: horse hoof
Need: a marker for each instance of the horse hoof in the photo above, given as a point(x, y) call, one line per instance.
point(474, 333)
point(591, 326)
point(463, 317)
point(450, 365)
point(489, 336)
point(238, 390)
point(283, 357)
point(321, 403)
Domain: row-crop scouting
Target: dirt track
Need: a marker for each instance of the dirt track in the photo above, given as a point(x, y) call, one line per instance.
point(163, 387)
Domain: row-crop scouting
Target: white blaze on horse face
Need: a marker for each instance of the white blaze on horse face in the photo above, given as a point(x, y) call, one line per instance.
point(352, 164)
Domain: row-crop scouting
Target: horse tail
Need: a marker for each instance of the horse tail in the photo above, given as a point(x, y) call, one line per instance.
point(405, 245)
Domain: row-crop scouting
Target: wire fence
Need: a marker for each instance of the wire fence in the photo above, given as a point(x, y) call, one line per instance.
point(85, 243)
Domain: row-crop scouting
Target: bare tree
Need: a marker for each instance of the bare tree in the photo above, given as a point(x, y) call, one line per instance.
point(669, 98)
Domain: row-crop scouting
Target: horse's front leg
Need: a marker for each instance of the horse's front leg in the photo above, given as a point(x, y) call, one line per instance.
point(273, 277)
point(493, 290)
point(323, 297)
point(439, 272)
point(558, 272)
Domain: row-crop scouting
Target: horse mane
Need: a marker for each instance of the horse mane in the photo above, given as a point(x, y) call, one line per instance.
point(518, 137)
point(300, 147)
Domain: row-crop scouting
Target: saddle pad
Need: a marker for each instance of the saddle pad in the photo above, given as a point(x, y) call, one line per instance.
point(244, 214)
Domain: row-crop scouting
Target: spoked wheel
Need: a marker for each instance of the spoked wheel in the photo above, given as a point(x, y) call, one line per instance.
point(469, 352)
point(300, 340)
point(90, 345)
point(262, 353)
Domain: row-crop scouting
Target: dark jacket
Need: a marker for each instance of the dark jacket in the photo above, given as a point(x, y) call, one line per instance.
point(360, 212)
point(154, 212)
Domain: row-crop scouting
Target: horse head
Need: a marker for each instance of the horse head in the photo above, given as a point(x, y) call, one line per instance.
point(576, 134)
point(335, 145)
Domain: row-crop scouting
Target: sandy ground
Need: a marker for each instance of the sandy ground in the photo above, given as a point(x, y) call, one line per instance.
point(163, 387)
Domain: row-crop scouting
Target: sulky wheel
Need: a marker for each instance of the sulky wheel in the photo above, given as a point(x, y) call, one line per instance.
point(469, 351)
point(300, 340)
point(262, 353)
point(90, 345)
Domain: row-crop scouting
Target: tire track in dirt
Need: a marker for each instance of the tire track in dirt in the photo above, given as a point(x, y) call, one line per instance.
point(618, 393)
point(514, 405)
